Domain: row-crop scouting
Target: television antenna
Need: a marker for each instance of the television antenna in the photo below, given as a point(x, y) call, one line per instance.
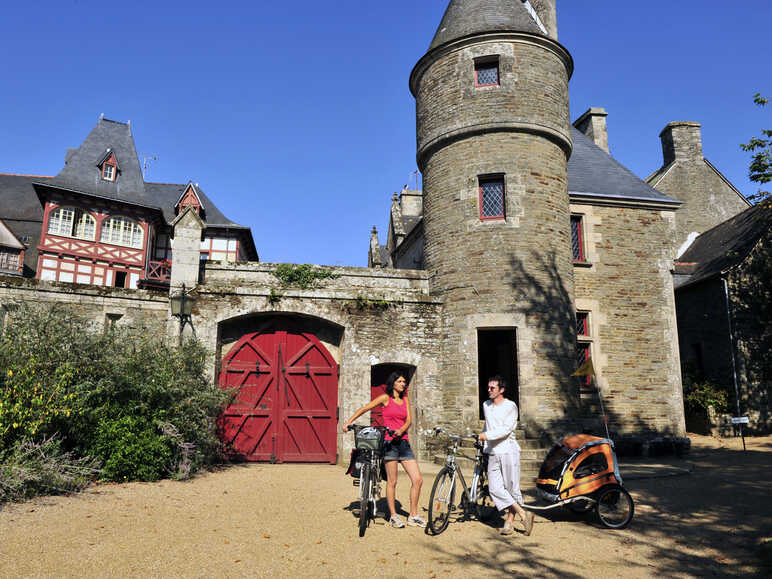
point(146, 159)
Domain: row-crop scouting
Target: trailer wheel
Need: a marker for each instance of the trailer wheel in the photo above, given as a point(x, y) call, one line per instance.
point(615, 507)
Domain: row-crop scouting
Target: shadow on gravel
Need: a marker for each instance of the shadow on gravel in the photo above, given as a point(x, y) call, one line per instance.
point(724, 507)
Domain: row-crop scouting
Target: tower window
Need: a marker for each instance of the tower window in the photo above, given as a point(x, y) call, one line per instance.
point(582, 323)
point(582, 355)
point(492, 198)
point(486, 71)
point(577, 237)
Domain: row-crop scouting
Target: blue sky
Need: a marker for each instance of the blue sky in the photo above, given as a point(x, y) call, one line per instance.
point(296, 118)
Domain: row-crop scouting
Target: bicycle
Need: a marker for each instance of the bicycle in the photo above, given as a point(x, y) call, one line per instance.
point(369, 442)
point(474, 500)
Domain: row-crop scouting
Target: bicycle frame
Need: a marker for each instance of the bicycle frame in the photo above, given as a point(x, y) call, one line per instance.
point(445, 482)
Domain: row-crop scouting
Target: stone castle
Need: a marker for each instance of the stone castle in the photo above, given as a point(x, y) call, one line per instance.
point(529, 251)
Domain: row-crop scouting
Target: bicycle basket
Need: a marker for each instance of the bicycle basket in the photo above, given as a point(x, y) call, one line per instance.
point(370, 438)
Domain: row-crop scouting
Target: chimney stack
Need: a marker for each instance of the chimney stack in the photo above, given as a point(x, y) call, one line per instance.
point(593, 124)
point(681, 141)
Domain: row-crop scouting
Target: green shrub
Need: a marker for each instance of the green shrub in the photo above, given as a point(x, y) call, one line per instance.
point(131, 449)
point(111, 394)
point(699, 395)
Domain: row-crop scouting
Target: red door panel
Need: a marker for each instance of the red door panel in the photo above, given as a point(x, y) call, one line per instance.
point(285, 392)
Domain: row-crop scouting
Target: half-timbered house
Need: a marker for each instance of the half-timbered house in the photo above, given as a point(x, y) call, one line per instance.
point(99, 222)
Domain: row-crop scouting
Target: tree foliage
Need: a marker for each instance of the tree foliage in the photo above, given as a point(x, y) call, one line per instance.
point(760, 170)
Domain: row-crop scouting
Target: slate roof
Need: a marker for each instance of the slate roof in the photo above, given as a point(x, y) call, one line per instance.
point(80, 171)
point(724, 246)
point(467, 17)
point(593, 172)
point(17, 197)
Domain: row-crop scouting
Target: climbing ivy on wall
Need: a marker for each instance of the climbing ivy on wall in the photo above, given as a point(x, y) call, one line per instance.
point(304, 276)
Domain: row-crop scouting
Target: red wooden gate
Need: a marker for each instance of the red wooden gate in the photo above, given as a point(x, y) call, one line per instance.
point(285, 388)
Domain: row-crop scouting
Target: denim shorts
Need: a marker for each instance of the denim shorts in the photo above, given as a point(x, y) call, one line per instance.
point(397, 450)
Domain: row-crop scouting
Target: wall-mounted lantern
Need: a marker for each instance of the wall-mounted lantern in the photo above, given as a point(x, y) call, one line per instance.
point(182, 308)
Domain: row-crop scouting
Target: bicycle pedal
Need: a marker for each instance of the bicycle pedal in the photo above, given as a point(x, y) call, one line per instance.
point(356, 482)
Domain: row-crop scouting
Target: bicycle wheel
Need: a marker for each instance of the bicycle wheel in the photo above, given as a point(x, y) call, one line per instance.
point(484, 506)
point(365, 484)
point(615, 507)
point(441, 501)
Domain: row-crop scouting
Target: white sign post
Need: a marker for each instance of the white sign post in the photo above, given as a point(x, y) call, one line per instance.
point(741, 420)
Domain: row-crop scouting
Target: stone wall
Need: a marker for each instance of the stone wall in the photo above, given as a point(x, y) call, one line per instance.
point(104, 305)
point(626, 286)
point(365, 318)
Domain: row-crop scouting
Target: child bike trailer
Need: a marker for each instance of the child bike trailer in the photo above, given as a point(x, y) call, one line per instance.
point(582, 473)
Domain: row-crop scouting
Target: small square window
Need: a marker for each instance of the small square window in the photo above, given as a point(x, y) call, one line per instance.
point(486, 72)
point(108, 172)
point(577, 237)
point(492, 204)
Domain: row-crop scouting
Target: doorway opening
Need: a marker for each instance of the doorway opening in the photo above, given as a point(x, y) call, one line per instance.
point(378, 376)
point(120, 279)
point(497, 355)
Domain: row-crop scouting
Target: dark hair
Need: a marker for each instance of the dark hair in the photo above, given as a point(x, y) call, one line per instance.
point(500, 380)
point(393, 377)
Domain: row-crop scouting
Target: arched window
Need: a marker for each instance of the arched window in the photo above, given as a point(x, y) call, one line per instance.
point(85, 226)
point(72, 222)
point(122, 231)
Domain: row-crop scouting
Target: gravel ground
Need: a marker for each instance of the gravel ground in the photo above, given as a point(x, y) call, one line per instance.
point(297, 520)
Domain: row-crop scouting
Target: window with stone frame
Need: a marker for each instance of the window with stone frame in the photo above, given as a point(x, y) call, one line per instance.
point(486, 71)
point(577, 238)
point(583, 348)
point(492, 197)
point(583, 353)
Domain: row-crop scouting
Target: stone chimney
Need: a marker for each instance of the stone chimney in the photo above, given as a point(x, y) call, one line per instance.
point(411, 202)
point(546, 11)
point(593, 124)
point(681, 141)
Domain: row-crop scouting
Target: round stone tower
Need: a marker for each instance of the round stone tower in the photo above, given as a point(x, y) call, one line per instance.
point(493, 136)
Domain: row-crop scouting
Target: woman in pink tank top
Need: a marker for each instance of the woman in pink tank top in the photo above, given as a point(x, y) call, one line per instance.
point(396, 416)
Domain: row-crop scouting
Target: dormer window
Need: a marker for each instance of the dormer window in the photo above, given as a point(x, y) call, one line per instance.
point(486, 71)
point(109, 167)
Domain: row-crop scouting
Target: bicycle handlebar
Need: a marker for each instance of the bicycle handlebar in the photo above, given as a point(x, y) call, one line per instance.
point(356, 427)
point(438, 430)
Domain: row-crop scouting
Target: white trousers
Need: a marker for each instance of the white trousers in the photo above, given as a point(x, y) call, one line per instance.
point(504, 479)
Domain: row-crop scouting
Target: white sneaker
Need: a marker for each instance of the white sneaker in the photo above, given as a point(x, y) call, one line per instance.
point(396, 521)
point(416, 521)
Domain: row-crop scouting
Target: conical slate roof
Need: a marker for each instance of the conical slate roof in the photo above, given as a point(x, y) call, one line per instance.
point(467, 17)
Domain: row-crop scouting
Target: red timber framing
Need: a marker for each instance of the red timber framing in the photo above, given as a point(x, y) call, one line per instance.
point(221, 249)
point(87, 259)
point(189, 198)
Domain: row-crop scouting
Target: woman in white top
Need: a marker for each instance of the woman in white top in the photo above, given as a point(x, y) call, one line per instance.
point(503, 456)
